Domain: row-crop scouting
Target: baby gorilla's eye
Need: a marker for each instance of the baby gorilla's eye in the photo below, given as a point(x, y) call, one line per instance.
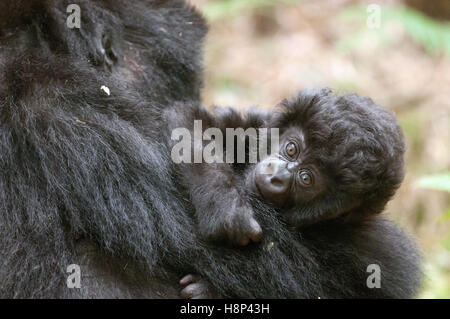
point(306, 178)
point(291, 149)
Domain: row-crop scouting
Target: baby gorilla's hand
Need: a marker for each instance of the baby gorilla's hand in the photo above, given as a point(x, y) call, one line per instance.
point(197, 288)
point(240, 226)
point(230, 220)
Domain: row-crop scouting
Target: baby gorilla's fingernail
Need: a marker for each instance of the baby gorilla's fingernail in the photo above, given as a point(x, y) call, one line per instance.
point(256, 230)
point(187, 280)
point(187, 292)
point(255, 226)
point(183, 281)
point(244, 241)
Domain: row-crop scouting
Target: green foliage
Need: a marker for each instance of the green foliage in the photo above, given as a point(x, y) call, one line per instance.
point(432, 35)
point(229, 8)
point(345, 85)
point(436, 281)
point(411, 122)
point(446, 217)
point(437, 182)
point(446, 242)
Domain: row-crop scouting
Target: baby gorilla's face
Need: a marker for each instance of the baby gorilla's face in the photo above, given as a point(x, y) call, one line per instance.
point(290, 177)
point(339, 155)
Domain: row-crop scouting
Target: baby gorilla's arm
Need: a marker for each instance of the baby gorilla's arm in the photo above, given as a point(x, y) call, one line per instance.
point(221, 211)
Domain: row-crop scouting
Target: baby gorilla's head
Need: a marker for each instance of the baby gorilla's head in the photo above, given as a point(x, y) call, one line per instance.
point(339, 155)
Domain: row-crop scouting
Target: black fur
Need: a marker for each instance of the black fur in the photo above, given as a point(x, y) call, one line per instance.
point(358, 146)
point(77, 163)
point(86, 178)
point(355, 147)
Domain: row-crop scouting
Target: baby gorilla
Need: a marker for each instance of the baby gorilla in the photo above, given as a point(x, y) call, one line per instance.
point(338, 156)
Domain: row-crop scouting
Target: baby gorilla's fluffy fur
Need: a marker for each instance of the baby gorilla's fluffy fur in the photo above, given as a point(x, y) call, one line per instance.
point(356, 149)
point(351, 149)
point(348, 150)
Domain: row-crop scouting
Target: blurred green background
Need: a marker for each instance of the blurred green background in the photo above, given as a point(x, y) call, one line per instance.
point(260, 51)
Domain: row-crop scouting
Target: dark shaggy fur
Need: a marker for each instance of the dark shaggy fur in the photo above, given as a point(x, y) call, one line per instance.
point(357, 145)
point(358, 148)
point(352, 147)
point(86, 178)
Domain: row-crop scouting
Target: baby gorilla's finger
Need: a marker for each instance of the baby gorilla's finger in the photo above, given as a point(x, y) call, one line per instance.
point(245, 229)
point(242, 240)
point(238, 237)
point(255, 231)
point(188, 279)
point(192, 291)
point(196, 288)
point(251, 233)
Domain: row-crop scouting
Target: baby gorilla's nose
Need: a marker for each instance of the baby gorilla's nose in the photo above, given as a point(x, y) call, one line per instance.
point(273, 179)
point(279, 182)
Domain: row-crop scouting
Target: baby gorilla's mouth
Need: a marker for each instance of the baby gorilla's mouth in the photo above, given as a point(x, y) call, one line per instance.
point(268, 198)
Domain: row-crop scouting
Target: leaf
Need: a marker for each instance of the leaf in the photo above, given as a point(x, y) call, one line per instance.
point(436, 182)
point(446, 217)
point(434, 36)
point(226, 8)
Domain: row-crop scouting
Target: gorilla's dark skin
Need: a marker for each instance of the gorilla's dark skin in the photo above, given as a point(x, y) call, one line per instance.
point(87, 179)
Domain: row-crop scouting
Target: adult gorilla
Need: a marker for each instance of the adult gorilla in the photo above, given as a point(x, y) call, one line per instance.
point(85, 180)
